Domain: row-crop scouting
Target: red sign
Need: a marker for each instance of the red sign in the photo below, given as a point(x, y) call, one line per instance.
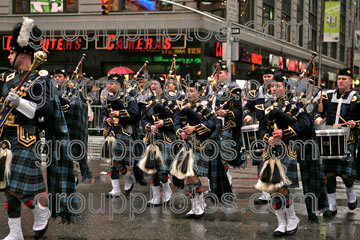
point(256, 58)
point(292, 65)
point(140, 44)
point(281, 62)
point(219, 49)
point(56, 44)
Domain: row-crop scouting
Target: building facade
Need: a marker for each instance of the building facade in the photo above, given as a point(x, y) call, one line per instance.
point(272, 32)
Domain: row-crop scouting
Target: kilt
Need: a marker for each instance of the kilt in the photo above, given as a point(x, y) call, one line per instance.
point(340, 167)
point(202, 161)
point(26, 177)
point(165, 151)
point(224, 137)
point(122, 150)
point(313, 178)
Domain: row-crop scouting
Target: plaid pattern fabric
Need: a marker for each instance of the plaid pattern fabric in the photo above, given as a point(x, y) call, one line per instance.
point(202, 162)
point(313, 178)
point(291, 171)
point(26, 177)
point(77, 123)
point(119, 156)
point(345, 167)
point(61, 174)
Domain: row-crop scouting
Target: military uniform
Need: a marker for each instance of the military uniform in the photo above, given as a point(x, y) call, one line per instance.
point(258, 97)
point(123, 128)
point(282, 115)
point(337, 106)
point(199, 115)
point(27, 115)
point(160, 109)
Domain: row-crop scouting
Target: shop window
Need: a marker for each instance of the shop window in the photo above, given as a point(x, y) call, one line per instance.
point(246, 11)
point(215, 7)
point(333, 50)
point(144, 5)
point(325, 48)
point(268, 17)
point(45, 6)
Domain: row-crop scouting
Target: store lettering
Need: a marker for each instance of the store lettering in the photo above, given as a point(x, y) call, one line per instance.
point(140, 44)
point(56, 44)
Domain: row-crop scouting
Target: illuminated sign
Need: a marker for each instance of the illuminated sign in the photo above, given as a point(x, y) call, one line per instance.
point(152, 43)
point(292, 65)
point(58, 43)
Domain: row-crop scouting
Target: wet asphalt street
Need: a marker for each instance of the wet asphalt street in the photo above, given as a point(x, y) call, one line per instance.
point(120, 221)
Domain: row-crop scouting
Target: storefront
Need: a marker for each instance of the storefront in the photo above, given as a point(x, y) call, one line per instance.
point(107, 52)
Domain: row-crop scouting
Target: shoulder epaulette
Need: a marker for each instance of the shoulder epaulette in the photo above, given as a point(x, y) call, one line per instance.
point(252, 93)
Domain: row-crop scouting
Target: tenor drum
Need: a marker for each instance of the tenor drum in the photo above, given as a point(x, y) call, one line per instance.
point(333, 142)
point(250, 140)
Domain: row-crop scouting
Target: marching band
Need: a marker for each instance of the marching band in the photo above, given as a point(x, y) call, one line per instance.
point(280, 128)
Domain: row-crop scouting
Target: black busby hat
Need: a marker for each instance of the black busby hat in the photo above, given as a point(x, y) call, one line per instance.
point(281, 78)
point(23, 35)
point(268, 70)
point(60, 71)
point(223, 67)
point(116, 77)
point(346, 72)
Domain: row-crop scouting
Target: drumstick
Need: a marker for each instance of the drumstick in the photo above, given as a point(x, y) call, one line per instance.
point(341, 118)
point(342, 124)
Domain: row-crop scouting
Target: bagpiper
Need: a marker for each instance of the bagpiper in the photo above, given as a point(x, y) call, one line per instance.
point(158, 123)
point(194, 124)
point(120, 112)
point(277, 126)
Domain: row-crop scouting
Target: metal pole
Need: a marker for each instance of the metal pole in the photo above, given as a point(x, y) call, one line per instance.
point(228, 51)
point(321, 41)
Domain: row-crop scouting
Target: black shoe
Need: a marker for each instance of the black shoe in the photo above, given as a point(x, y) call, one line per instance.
point(313, 218)
point(292, 231)
point(353, 205)
point(329, 214)
point(279, 234)
point(153, 205)
point(142, 182)
point(127, 192)
point(261, 201)
point(194, 216)
point(39, 234)
point(111, 196)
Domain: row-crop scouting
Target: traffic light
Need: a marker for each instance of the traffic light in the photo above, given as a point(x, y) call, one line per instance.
point(105, 6)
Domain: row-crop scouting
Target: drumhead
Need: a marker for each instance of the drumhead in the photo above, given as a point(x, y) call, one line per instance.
point(250, 128)
point(343, 131)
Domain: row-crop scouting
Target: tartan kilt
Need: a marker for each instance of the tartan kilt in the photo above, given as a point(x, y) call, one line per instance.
point(165, 151)
point(291, 171)
point(122, 150)
point(26, 177)
point(202, 162)
point(340, 167)
point(225, 136)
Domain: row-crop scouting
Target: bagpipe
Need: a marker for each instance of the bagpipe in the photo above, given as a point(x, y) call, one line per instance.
point(281, 115)
point(71, 89)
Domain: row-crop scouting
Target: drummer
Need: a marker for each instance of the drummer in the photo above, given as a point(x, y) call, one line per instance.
point(340, 107)
point(249, 109)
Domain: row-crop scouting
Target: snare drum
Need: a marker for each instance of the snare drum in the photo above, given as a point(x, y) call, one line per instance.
point(333, 142)
point(250, 140)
